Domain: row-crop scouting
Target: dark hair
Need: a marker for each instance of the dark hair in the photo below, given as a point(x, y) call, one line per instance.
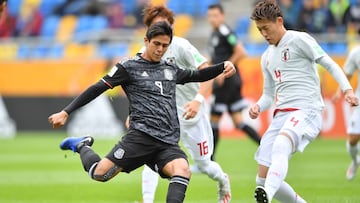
point(216, 6)
point(150, 12)
point(266, 10)
point(159, 28)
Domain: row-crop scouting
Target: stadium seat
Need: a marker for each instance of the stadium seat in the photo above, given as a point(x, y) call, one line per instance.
point(242, 26)
point(14, 7)
point(99, 23)
point(47, 7)
point(75, 50)
point(158, 2)
point(50, 26)
point(182, 25)
point(8, 51)
point(66, 28)
point(113, 50)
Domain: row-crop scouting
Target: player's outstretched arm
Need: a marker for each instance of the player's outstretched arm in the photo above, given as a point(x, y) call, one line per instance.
point(58, 119)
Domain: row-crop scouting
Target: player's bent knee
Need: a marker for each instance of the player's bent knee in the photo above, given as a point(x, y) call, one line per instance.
point(107, 175)
point(203, 165)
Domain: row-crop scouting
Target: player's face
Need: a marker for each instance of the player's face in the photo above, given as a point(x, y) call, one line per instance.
point(215, 17)
point(272, 31)
point(156, 47)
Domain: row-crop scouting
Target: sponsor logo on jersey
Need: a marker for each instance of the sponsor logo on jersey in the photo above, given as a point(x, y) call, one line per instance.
point(171, 60)
point(112, 71)
point(285, 55)
point(119, 153)
point(145, 74)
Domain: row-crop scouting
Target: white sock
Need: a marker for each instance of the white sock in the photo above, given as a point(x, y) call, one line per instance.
point(150, 181)
point(212, 169)
point(287, 194)
point(353, 151)
point(281, 152)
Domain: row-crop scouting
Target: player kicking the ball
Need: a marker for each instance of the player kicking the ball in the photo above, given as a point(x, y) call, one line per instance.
point(290, 76)
point(154, 132)
point(195, 129)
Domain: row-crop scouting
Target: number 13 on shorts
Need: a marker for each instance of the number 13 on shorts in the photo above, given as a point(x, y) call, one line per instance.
point(204, 148)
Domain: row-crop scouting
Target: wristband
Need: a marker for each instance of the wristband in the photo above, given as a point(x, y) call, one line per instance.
point(199, 98)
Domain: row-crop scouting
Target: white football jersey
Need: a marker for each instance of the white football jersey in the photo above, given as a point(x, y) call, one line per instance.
point(185, 56)
point(352, 64)
point(290, 73)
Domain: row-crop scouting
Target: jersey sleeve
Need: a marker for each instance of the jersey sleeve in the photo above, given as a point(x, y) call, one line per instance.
point(116, 76)
point(350, 63)
point(191, 55)
point(230, 36)
point(268, 95)
point(189, 75)
point(309, 47)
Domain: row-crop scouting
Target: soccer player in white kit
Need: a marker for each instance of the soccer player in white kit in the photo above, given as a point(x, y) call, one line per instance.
point(352, 64)
point(195, 129)
point(290, 79)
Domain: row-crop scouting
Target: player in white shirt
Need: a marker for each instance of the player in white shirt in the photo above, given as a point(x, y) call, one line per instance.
point(290, 79)
point(195, 129)
point(352, 64)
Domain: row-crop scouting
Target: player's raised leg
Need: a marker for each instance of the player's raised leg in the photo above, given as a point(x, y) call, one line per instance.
point(99, 169)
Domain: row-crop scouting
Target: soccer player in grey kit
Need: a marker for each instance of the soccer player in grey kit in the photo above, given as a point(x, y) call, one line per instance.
point(153, 136)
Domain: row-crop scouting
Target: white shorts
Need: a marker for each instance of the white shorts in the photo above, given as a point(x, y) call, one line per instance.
point(354, 123)
point(197, 138)
point(303, 126)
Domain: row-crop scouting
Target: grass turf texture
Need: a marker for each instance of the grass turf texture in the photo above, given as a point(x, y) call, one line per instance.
point(33, 169)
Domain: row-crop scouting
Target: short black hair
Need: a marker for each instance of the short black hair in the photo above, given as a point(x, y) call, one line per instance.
point(216, 6)
point(159, 28)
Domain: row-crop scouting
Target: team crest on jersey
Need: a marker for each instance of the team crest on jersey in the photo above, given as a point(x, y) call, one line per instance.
point(171, 60)
point(119, 153)
point(285, 55)
point(168, 74)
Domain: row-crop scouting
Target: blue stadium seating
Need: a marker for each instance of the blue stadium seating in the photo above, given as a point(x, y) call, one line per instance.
point(14, 7)
point(49, 27)
point(47, 7)
point(112, 50)
point(242, 26)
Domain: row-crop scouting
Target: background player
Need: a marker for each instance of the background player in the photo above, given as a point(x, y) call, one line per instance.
point(154, 133)
point(352, 64)
point(224, 45)
point(195, 129)
point(290, 76)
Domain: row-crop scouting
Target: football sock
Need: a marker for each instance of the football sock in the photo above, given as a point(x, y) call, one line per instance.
point(251, 132)
point(212, 169)
point(215, 129)
point(281, 152)
point(88, 157)
point(353, 151)
point(284, 194)
point(150, 181)
point(177, 189)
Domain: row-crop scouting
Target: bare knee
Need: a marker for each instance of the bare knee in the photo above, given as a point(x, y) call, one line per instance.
point(177, 167)
point(354, 139)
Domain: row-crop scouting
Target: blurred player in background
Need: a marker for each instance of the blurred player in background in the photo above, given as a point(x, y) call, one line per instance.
point(154, 131)
point(224, 45)
point(195, 129)
point(352, 64)
point(290, 79)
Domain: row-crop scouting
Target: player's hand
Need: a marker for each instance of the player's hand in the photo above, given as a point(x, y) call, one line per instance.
point(191, 109)
point(351, 98)
point(254, 111)
point(58, 119)
point(229, 69)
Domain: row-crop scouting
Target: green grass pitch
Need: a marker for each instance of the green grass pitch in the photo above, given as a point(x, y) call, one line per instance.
point(34, 170)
